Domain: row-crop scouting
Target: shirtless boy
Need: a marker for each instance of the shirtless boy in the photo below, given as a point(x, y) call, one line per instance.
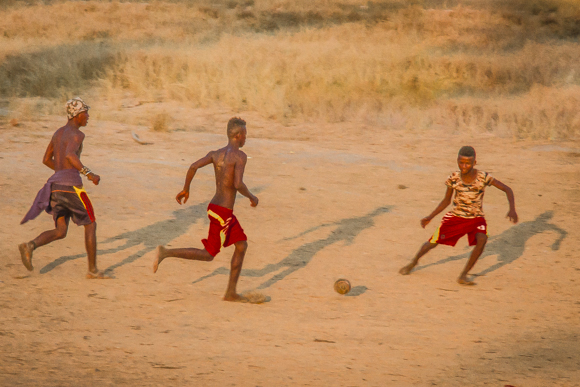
point(63, 195)
point(224, 229)
point(466, 217)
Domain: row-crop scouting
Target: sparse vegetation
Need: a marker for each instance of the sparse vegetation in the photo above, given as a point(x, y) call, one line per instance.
point(505, 67)
point(161, 122)
point(56, 71)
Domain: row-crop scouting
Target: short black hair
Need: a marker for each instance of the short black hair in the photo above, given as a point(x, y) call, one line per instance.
point(466, 151)
point(235, 124)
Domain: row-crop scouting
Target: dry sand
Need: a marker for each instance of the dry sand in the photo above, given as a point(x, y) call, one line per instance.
point(336, 200)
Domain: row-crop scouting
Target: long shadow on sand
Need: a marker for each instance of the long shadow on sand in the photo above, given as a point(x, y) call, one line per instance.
point(509, 245)
point(159, 233)
point(346, 230)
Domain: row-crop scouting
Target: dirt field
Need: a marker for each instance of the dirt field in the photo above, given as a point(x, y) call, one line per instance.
point(341, 200)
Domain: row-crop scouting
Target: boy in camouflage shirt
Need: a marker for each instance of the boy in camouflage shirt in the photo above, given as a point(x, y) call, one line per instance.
point(467, 216)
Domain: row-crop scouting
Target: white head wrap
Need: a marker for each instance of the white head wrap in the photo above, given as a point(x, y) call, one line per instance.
point(75, 106)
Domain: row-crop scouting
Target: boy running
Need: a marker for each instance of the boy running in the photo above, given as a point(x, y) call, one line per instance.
point(466, 217)
point(63, 195)
point(224, 229)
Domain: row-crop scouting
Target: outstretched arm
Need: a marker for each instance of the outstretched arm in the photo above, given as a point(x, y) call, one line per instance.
point(563, 234)
point(184, 194)
point(444, 203)
point(512, 215)
point(239, 180)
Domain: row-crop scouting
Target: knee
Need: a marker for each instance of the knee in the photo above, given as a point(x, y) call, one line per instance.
point(428, 246)
point(61, 233)
point(481, 239)
point(242, 246)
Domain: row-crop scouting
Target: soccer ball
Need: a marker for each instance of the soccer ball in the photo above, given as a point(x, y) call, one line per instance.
point(342, 286)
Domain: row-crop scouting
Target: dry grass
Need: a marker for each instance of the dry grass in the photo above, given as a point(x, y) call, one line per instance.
point(31, 108)
point(543, 113)
point(161, 122)
point(54, 72)
point(484, 66)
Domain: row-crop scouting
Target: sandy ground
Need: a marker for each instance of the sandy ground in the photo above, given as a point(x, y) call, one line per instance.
point(339, 200)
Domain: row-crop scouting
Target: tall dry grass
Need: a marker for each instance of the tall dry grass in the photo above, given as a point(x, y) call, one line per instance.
point(482, 66)
point(56, 71)
point(500, 22)
point(306, 72)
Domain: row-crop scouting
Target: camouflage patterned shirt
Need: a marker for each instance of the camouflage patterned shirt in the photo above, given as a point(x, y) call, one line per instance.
point(468, 199)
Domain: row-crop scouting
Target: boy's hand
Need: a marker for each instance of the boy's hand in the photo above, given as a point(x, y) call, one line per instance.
point(425, 221)
point(253, 201)
point(182, 195)
point(513, 216)
point(94, 178)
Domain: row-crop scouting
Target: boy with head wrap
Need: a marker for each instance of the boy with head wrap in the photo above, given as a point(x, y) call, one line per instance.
point(63, 195)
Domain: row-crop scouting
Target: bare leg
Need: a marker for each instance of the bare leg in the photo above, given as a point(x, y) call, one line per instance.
point(45, 238)
point(59, 232)
point(192, 253)
point(237, 260)
point(91, 247)
point(427, 246)
point(477, 250)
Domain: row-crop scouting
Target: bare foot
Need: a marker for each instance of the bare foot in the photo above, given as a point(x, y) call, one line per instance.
point(26, 255)
point(97, 275)
point(464, 281)
point(160, 255)
point(235, 298)
point(407, 269)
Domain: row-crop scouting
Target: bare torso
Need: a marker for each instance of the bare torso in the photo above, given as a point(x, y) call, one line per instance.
point(225, 161)
point(65, 140)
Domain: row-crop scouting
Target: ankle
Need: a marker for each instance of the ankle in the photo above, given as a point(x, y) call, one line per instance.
point(163, 253)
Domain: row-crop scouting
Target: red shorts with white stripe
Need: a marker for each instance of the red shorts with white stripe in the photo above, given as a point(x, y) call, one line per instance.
point(454, 227)
point(224, 229)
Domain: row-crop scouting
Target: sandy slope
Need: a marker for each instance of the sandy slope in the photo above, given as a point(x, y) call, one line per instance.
point(336, 201)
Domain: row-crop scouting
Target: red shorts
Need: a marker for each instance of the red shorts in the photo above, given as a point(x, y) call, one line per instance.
point(224, 229)
point(454, 227)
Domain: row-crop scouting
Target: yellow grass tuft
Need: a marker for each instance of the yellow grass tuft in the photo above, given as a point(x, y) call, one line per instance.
point(161, 122)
